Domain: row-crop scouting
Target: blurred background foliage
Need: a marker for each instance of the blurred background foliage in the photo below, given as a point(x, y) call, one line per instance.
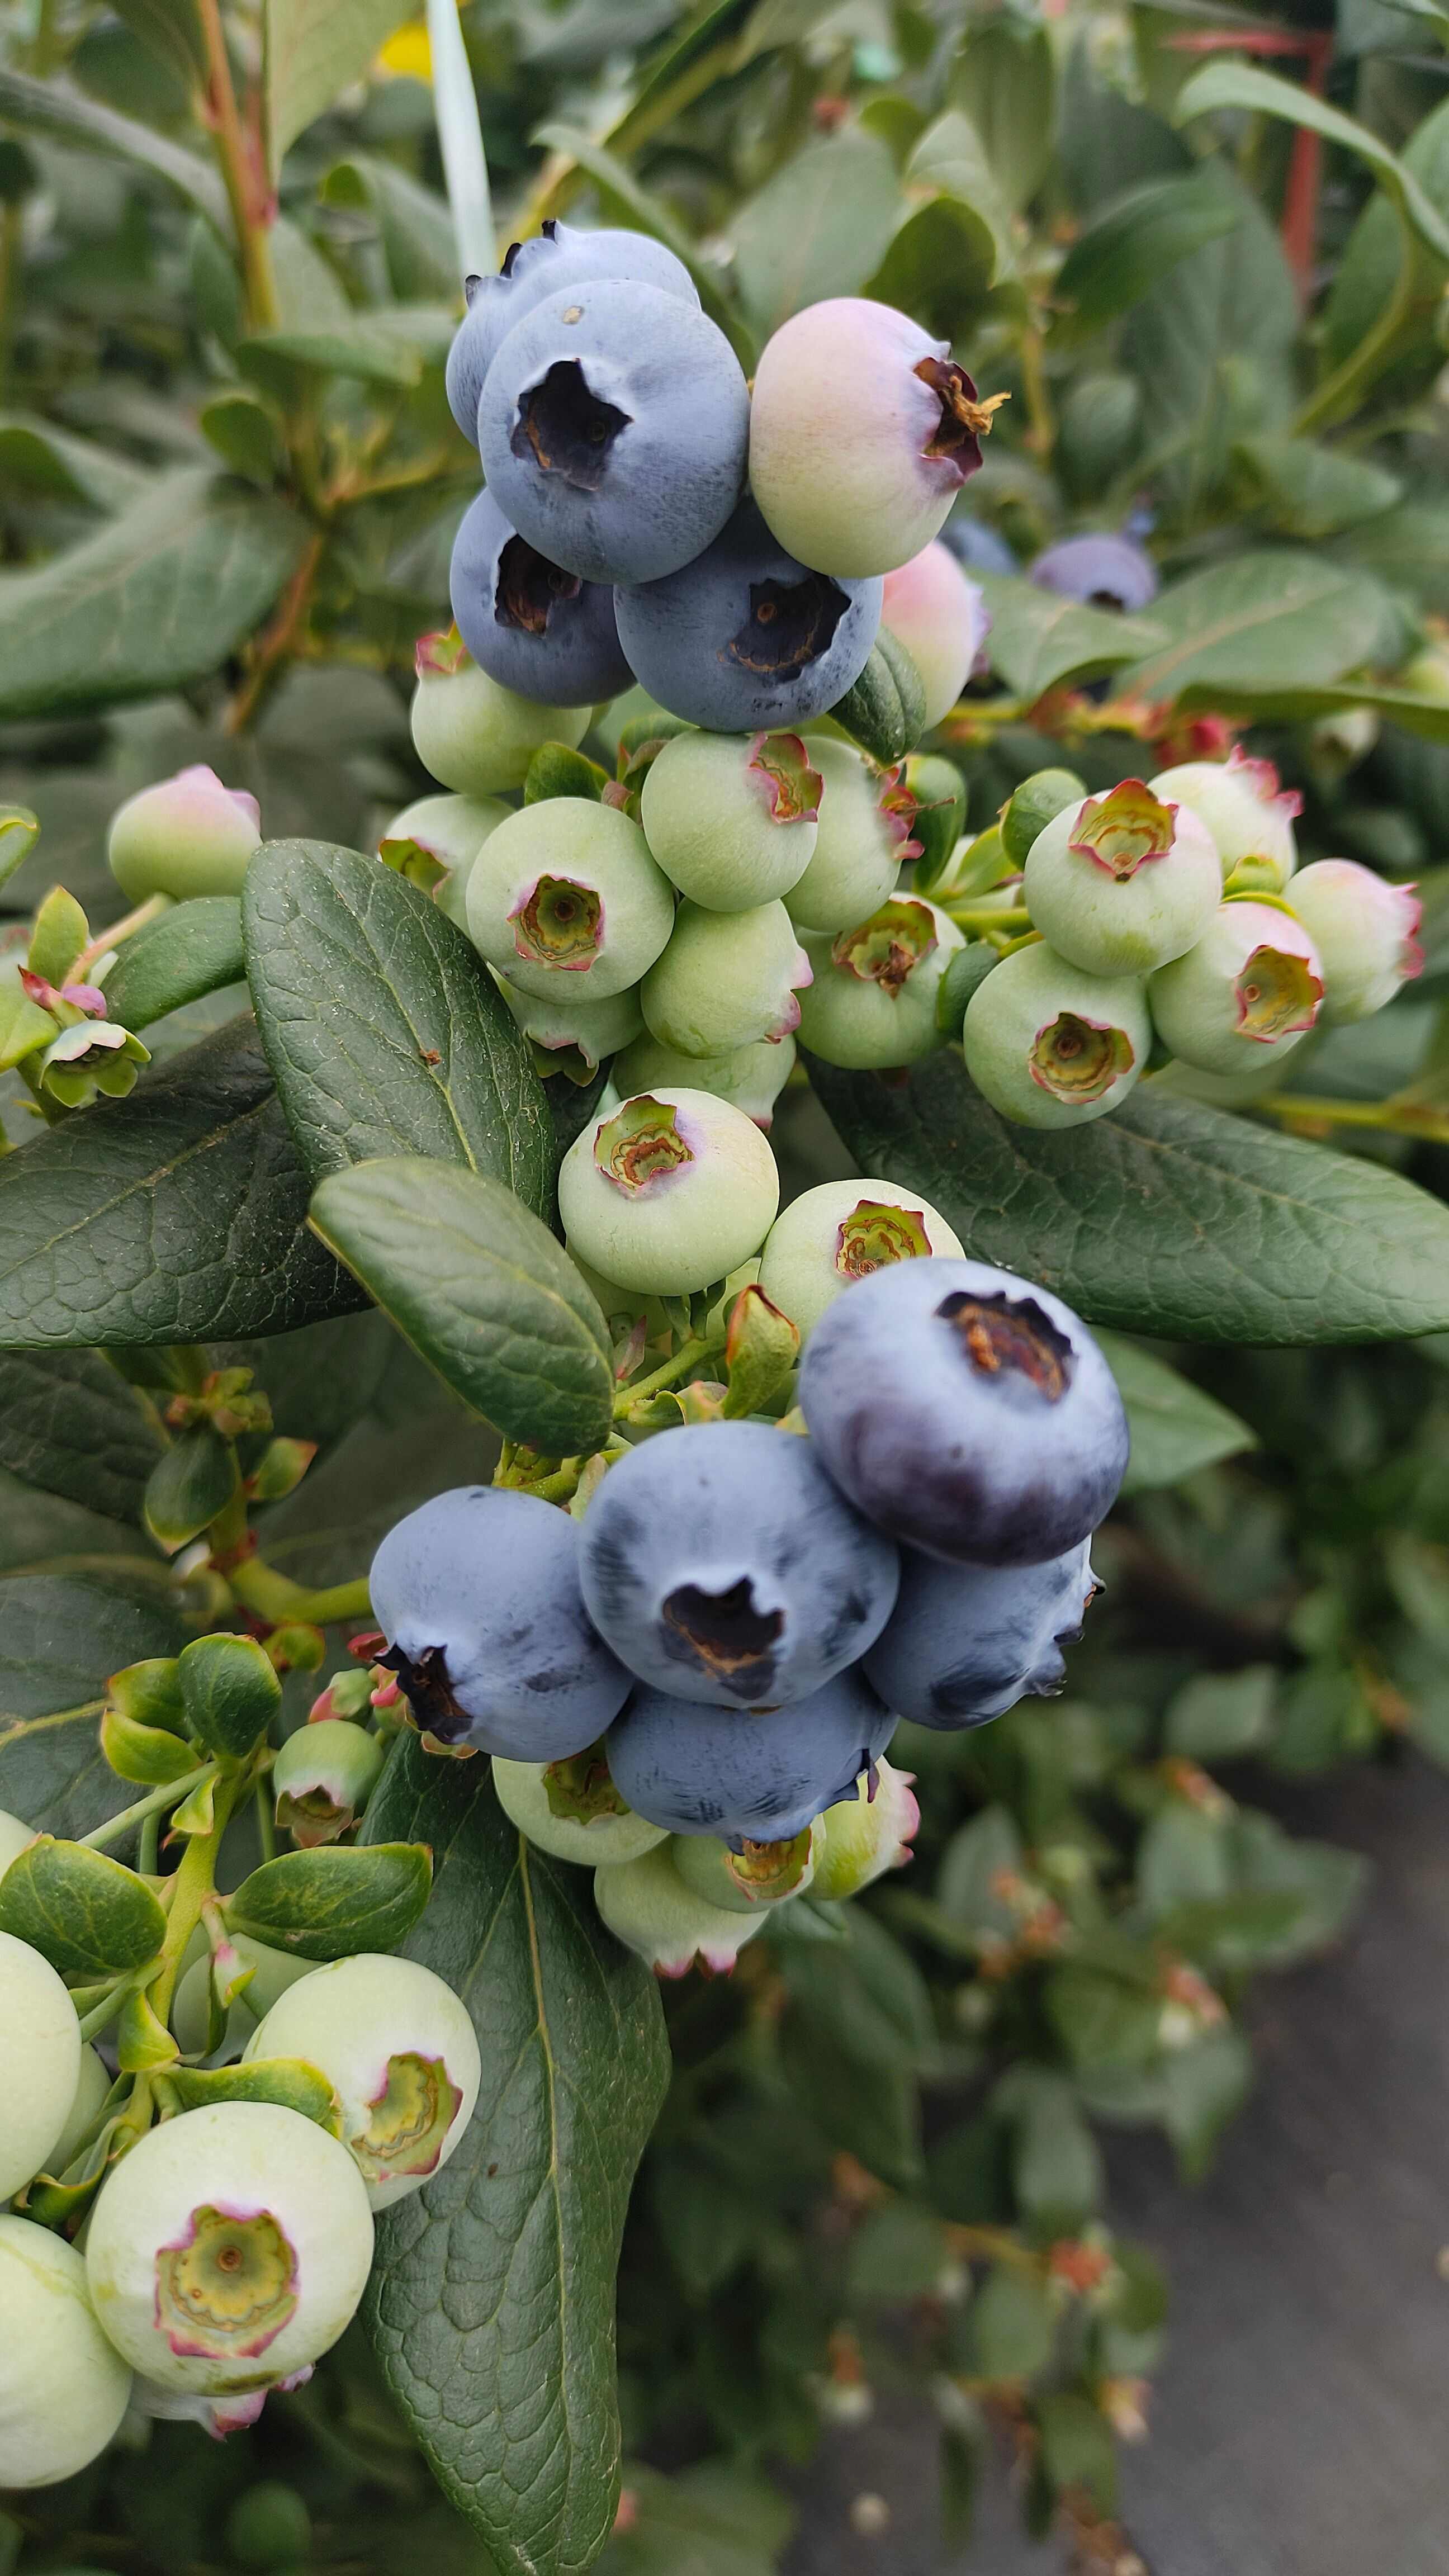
point(1206, 251)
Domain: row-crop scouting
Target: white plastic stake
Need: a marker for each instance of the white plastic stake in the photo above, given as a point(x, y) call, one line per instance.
point(465, 163)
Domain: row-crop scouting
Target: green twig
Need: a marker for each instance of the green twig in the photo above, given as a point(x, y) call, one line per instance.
point(1385, 1117)
point(170, 1794)
point(642, 1388)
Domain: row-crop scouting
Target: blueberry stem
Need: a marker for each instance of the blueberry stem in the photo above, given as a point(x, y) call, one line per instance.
point(1402, 1117)
point(169, 1795)
point(643, 1387)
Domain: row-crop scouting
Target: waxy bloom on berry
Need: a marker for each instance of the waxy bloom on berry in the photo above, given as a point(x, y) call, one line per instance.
point(840, 1232)
point(1254, 982)
point(63, 2387)
point(40, 2053)
point(402, 2054)
point(1366, 932)
point(673, 1190)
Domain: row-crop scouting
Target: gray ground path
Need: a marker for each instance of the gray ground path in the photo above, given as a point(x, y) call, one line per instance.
point(1301, 2422)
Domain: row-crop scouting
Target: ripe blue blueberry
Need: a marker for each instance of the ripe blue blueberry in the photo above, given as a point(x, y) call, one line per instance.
point(613, 429)
point(747, 1775)
point(477, 1594)
point(966, 1411)
point(1098, 571)
point(559, 256)
point(746, 636)
point(530, 625)
point(723, 1567)
point(966, 1642)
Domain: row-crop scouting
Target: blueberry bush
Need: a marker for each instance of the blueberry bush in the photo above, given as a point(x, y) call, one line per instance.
point(721, 1058)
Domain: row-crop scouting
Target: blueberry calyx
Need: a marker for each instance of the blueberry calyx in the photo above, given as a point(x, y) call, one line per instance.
point(965, 419)
point(566, 427)
point(1122, 830)
point(1076, 1059)
point(724, 1634)
point(559, 923)
point(791, 788)
point(1277, 993)
point(424, 1682)
point(790, 625)
point(641, 1144)
point(876, 1232)
point(529, 587)
point(886, 949)
point(582, 1787)
point(998, 1332)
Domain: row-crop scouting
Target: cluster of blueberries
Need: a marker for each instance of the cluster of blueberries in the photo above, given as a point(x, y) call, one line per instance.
point(728, 1637)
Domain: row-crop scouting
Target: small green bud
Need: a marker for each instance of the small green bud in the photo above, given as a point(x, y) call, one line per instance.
point(1032, 805)
point(192, 1481)
point(231, 1692)
point(323, 1778)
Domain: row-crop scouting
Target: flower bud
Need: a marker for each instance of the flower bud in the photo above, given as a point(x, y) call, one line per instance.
point(1365, 931)
point(573, 1809)
point(323, 1778)
point(229, 2249)
point(747, 1881)
point(1253, 983)
point(861, 1837)
point(647, 1906)
point(942, 620)
point(187, 835)
point(40, 2051)
point(402, 2053)
point(63, 2390)
point(1250, 818)
point(840, 1232)
point(477, 738)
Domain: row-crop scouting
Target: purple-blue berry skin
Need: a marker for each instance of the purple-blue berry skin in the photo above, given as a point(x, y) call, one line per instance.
point(477, 1594)
point(976, 546)
point(533, 627)
point(614, 429)
point(965, 1411)
point(559, 256)
point(1098, 571)
point(965, 1642)
point(745, 636)
point(723, 1567)
point(758, 1775)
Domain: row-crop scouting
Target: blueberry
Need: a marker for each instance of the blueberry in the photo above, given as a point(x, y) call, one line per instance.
point(873, 997)
point(613, 429)
point(477, 1594)
point(840, 1232)
point(723, 1567)
point(668, 1192)
point(1098, 571)
point(530, 625)
point(646, 1905)
point(732, 818)
point(976, 545)
point(474, 736)
point(188, 835)
point(584, 1032)
point(942, 620)
point(726, 980)
point(747, 1775)
point(559, 256)
point(1123, 882)
point(750, 1077)
point(565, 901)
point(862, 431)
point(862, 836)
point(1250, 817)
point(1050, 1046)
point(1253, 983)
point(965, 1411)
point(1366, 932)
point(747, 636)
point(966, 1642)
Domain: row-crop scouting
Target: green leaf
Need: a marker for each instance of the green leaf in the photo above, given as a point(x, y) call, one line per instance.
point(61, 1638)
point(555, 770)
point(1367, 273)
point(1217, 1715)
point(36, 456)
point(191, 951)
point(331, 1902)
point(231, 1694)
point(312, 49)
point(1136, 240)
point(819, 227)
point(483, 1293)
point(1009, 2327)
point(885, 709)
point(54, 107)
point(1167, 1218)
point(24, 1026)
point(1280, 618)
point(1205, 2086)
point(153, 602)
point(1038, 639)
point(414, 224)
point(1309, 490)
point(508, 2383)
point(1056, 2166)
point(951, 257)
point(384, 1032)
point(177, 1215)
point(1005, 83)
point(1176, 1429)
point(71, 1425)
point(359, 348)
point(290, 2081)
point(171, 30)
point(84, 1912)
point(192, 1481)
point(1428, 718)
point(1077, 2449)
point(19, 832)
point(1242, 86)
point(246, 434)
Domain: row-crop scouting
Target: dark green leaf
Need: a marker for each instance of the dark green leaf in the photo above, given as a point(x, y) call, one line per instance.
point(1010, 2327)
point(245, 432)
point(1167, 1218)
point(1368, 272)
point(1220, 1714)
point(1205, 2085)
point(1138, 239)
point(491, 2302)
point(332, 1902)
point(172, 32)
point(1077, 2449)
point(177, 1215)
point(483, 1293)
point(313, 49)
point(1056, 2168)
point(885, 711)
point(231, 1693)
point(153, 602)
point(71, 1425)
point(1308, 490)
point(189, 1485)
point(1005, 82)
point(193, 950)
point(555, 770)
point(384, 1032)
point(84, 1912)
point(1038, 639)
point(1176, 1429)
point(60, 1640)
point(1234, 86)
point(817, 228)
point(1279, 619)
point(415, 225)
point(36, 456)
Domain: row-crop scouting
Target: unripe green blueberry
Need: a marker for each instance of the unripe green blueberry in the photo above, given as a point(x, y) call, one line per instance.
point(671, 1191)
point(63, 2390)
point(1366, 932)
point(646, 1905)
point(15, 1837)
point(839, 1232)
point(556, 1021)
point(1253, 982)
point(269, 2527)
point(273, 1972)
point(434, 842)
point(476, 738)
point(229, 2249)
point(92, 2086)
point(187, 835)
point(942, 619)
point(750, 1880)
point(863, 834)
point(750, 1077)
point(731, 818)
point(857, 1841)
point(873, 1001)
point(573, 1809)
point(1249, 816)
point(402, 2053)
point(322, 1779)
point(726, 980)
point(40, 2051)
point(1123, 882)
point(1050, 1046)
point(565, 894)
